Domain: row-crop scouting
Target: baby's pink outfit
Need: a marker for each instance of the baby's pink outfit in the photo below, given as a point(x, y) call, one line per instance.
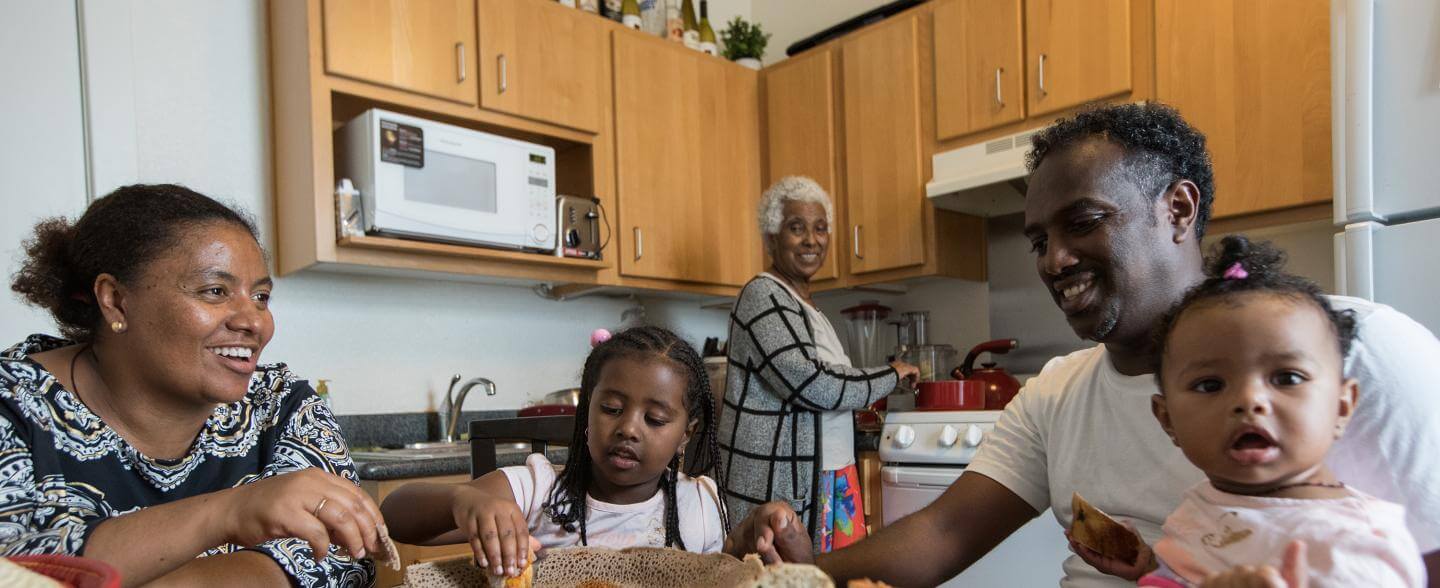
point(1356, 540)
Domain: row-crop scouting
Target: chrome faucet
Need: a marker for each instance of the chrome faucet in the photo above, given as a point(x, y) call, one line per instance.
point(454, 402)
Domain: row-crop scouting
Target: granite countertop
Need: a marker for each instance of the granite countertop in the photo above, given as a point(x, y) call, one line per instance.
point(394, 469)
point(396, 429)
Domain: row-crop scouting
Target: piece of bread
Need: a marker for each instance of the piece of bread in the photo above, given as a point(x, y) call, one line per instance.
point(524, 580)
point(635, 567)
point(1093, 528)
point(387, 554)
point(18, 576)
point(526, 577)
point(788, 575)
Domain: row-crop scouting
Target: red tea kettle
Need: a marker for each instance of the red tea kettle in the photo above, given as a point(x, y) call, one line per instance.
point(1000, 386)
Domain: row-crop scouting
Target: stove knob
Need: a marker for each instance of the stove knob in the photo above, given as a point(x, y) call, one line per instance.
point(973, 434)
point(948, 436)
point(904, 436)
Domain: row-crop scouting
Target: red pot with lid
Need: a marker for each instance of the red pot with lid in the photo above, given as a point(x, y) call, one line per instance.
point(950, 395)
point(999, 386)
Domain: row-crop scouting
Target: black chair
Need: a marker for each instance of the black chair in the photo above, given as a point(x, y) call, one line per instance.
point(539, 431)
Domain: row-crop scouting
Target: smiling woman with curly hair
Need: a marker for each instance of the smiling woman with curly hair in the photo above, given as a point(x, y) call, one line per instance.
point(153, 417)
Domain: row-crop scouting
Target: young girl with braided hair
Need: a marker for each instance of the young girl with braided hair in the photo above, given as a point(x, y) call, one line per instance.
point(644, 395)
point(1254, 392)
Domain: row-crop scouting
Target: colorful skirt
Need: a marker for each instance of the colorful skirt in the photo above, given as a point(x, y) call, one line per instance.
point(842, 512)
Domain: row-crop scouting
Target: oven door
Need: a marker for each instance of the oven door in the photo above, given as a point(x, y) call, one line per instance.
point(1032, 556)
point(472, 189)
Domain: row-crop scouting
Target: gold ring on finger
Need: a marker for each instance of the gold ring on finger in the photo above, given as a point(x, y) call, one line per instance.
point(320, 506)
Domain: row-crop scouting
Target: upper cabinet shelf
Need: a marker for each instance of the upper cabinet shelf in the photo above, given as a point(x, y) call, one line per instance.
point(1255, 78)
point(423, 46)
point(677, 146)
point(543, 61)
point(1076, 52)
point(334, 59)
point(1000, 62)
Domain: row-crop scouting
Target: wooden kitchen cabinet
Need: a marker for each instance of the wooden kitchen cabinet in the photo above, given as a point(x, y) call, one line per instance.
point(424, 46)
point(543, 61)
point(801, 135)
point(979, 66)
point(729, 238)
point(412, 554)
point(687, 167)
point(871, 484)
point(885, 183)
point(1255, 78)
point(1078, 51)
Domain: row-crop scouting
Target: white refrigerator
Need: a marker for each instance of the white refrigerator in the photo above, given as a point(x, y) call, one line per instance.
point(1385, 60)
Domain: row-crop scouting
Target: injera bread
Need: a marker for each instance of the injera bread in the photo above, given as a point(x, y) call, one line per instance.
point(17, 576)
point(1093, 528)
point(636, 567)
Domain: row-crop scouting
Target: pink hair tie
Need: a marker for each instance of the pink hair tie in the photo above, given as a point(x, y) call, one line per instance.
point(1236, 272)
point(599, 336)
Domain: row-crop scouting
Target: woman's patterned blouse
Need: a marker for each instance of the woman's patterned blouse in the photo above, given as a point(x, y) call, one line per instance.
point(63, 472)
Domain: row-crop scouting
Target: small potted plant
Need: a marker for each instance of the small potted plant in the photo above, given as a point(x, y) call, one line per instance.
point(744, 42)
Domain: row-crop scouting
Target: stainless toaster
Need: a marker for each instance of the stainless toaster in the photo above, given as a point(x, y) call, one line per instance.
point(578, 226)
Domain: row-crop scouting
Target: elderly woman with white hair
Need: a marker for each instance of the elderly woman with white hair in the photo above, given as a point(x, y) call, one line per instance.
point(786, 431)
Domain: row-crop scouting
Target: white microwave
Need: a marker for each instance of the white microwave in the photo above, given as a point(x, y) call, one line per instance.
point(421, 179)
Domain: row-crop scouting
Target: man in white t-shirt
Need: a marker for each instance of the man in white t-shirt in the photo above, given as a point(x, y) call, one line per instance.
point(1117, 204)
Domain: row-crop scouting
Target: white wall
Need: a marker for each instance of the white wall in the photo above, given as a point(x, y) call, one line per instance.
point(721, 11)
point(42, 160)
point(789, 21)
point(1309, 249)
point(180, 93)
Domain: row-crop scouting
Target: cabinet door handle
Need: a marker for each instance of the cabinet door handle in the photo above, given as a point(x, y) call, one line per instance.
point(460, 60)
point(999, 96)
point(1043, 91)
point(856, 244)
point(639, 243)
point(504, 72)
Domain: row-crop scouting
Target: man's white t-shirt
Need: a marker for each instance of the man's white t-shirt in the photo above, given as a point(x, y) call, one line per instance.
point(697, 504)
point(1080, 426)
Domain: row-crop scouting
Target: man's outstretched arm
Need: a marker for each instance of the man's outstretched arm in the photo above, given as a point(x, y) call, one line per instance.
point(934, 544)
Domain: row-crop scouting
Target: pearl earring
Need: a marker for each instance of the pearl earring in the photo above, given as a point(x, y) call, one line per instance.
point(117, 326)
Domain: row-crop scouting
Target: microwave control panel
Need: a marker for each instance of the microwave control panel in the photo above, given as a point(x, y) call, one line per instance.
point(540, 181)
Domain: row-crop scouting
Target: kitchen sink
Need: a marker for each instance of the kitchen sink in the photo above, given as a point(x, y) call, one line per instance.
point(429, 450)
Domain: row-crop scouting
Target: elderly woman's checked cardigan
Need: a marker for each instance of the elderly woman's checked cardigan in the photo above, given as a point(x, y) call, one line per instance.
point(775, 388)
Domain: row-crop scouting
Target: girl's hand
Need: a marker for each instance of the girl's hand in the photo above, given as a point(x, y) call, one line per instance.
point(1294, 573)
point(496, 528)
point(311, 504)
point(1129, 570)
point(773, 531)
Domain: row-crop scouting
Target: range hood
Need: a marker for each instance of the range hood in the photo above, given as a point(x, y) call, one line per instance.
point(984, 179)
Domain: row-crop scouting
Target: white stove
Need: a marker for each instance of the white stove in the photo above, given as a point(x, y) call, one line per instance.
point(924, 452)
point(935, 437)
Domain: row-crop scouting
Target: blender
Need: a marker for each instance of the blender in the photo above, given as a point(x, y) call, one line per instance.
point(863, 323)
point(935, 360)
